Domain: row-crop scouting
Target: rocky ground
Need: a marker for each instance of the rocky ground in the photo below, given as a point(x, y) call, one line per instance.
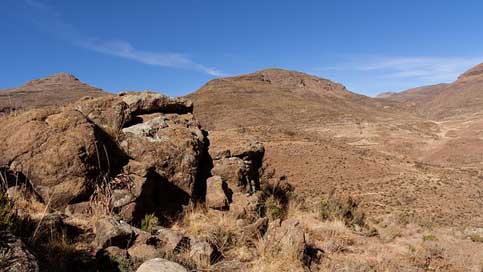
point(134, 181)
point(110, 183)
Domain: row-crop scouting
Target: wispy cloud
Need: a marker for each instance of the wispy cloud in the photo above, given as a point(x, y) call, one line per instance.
point(426, 69)
point(125, 50)
point(36, 4)
point(50, 20)
point(371, 75)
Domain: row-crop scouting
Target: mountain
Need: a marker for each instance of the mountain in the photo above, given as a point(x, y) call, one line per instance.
point(275, 96)
point(386, 94)
point(462, 97)
point(56, 89)
point(416, 95)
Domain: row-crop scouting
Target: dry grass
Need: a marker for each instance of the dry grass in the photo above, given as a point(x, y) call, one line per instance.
point(223, 231)
point(219, 228)
point(101, 200)
point(268, 260)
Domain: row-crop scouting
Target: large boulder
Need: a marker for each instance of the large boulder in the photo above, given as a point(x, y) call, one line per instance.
point(240, 166)
point(153, 140)
point(161, 265)
point(234, 171)
point(114, 232)
point(61, 151)
point(156, 131)
point(202, 253)
point(286, 238)
point(162, 242)
point(217, 193)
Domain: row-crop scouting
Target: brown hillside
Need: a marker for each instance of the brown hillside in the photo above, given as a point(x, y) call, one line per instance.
point(324, 137)
point(275, 96)
point(339, 181)
point(415, 96)
point(442, 101)
point(464, 96)
point(56, 89)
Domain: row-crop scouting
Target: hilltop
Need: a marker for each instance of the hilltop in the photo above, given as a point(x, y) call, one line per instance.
point(280, 97)
point(56, 89)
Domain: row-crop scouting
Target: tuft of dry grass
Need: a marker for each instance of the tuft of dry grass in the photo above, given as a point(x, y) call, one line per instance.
point(270, 259)
point(219, 228)
point(101, 199)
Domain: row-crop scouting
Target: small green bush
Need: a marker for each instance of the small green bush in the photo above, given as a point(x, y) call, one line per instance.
point(430, 237)
point(476, 238)
point(149, 222)
point(347, 210)
point(7, 219)
point(274, 209)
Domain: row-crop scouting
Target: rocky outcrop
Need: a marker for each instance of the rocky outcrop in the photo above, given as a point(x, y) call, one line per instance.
point(202, 253)
point(240, 166)
point(217, 193)
point(151, 143)
point(61, 151)
point(114, 232)
point(122, 168)
point(287, 237)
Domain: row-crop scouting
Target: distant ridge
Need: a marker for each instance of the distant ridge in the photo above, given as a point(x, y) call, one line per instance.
point(463, 96)
point(386, 94)
point(416, 95)
point(57, 89)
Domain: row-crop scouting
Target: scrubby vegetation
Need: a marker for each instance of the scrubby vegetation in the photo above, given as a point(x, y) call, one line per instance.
point(149, 222)
point(346, 209)
point(7, 219)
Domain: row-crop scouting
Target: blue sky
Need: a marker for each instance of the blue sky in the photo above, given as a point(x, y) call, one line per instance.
point(176, 46)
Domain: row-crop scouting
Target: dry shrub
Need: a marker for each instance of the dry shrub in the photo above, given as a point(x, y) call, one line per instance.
point(276, 196)
point(347, 210)
point(476, 238)
point(101, 200)
point(431, 257)
point(274, 209)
